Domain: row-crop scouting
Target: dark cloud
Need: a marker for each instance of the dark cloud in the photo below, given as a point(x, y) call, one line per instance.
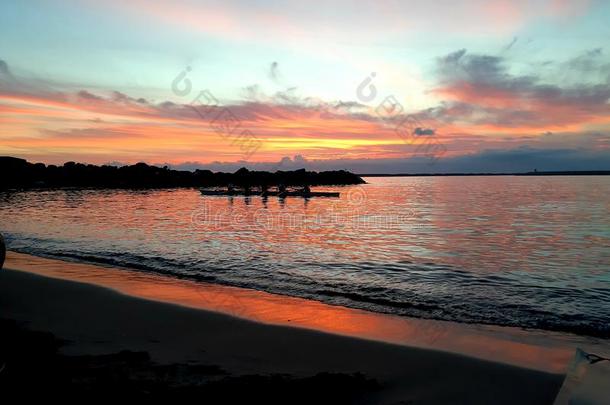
point(85, 95)
point(13, 83)
point(511, 44)
point(350, 104)
point(424, 131)
point(288, 163)
point(287, 96)
point(480, 69)
point(485, 91)
point(168, 105)
point(119, 97)
point(353, 107)
point(591, 65)
point(588, 61)
point(274, 73)
point(4, 70)
point(8, 82)
point(453, 57)
point(252, 93)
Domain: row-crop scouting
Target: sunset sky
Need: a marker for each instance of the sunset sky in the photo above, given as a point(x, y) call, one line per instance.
point(492, 85)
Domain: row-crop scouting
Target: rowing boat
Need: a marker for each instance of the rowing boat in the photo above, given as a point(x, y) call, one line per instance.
point(270, 193)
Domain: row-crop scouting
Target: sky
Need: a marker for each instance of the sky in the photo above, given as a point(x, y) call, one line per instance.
point(374, 87)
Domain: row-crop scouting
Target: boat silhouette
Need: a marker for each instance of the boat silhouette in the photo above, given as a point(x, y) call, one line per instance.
point(280, 194)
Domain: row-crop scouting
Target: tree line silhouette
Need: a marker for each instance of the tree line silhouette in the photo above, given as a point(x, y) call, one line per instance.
point(21, 174)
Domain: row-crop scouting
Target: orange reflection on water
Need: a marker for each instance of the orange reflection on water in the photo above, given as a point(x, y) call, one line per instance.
point(537, 350)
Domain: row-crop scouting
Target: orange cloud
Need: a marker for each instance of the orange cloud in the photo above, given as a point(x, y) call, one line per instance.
point(86, 126)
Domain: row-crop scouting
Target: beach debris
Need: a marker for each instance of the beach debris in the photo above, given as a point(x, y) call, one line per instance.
point(586, 381)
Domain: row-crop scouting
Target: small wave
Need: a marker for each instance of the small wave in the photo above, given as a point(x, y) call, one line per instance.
point(421, 290)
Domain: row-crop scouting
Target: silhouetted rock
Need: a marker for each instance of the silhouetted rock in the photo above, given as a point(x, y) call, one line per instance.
point(20, 174)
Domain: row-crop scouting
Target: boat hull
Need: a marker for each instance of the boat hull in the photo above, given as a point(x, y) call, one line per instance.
point(271, 194)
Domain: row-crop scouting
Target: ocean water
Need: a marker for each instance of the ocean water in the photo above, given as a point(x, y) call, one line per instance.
point(530, 252)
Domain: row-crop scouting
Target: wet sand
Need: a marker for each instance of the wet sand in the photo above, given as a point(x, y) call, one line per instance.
point(96, 320)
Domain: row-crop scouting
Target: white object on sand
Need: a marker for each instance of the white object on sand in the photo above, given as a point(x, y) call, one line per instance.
point(586, 382)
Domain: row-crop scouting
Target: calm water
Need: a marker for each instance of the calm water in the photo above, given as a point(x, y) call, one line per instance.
point(521, 251)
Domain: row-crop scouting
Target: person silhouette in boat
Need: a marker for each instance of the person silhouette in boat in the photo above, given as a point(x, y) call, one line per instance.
point(264, 190)
point(306, 190)
point(247, 189)
point(281, 189)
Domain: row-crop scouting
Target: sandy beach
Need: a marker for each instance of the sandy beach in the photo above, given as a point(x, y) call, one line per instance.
point(94, 321)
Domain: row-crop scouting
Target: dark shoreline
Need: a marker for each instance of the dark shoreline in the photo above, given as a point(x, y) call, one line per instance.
point(26, 175)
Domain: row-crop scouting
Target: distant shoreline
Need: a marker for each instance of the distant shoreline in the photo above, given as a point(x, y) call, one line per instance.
point(550, 173)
